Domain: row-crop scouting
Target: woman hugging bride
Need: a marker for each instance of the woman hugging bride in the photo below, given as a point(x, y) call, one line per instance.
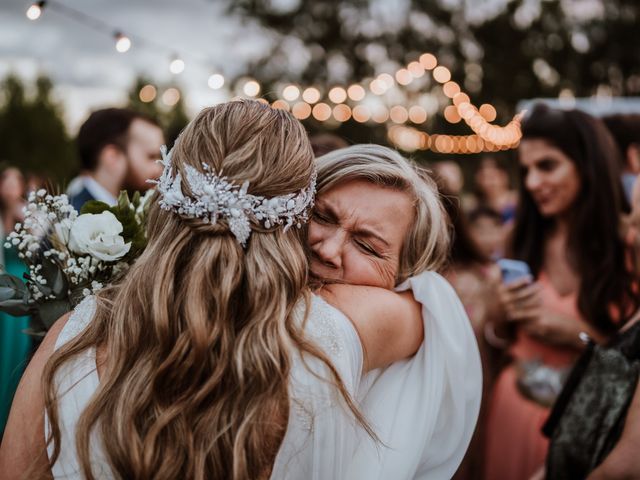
point(213, 358)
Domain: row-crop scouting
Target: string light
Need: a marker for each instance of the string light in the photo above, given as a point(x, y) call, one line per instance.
point(417, 114)
point(356, 93)
point(398, 114)
point(321, 112)
point(488, 112)
point(386, 79)
point(416, 69)
point(451, 114)
point(251, 88)
point(380, 114)
point(441, 74)
point(428, 61)
point(177, 65)
point(148, 93)
point(35, 10)
point(216, 81)
point(171, 96)
point(377, 87)
point(403, 76)
point(281, 104)
point(301, 110)
point(337, 95)
point(123, 43)
point(311, 95)
point(291, 93)
point(341, 112)
point(361, 114)
point(487, 137)
point(451, 89)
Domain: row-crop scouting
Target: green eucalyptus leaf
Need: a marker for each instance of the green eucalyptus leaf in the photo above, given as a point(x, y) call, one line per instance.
point(123, 201)
point(16, 307)
point(94, 206)
point(7, 293)
point(136, 199)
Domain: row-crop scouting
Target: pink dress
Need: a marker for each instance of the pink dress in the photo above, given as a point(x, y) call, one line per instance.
point(516, 448)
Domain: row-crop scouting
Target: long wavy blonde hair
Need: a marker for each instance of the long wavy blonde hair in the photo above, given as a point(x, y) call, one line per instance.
point(197, 335)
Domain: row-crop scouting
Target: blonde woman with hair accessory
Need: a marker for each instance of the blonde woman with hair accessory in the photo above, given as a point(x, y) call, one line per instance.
point(210, 358)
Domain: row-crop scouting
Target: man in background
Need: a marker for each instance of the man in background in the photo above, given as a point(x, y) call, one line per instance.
point(118, 149)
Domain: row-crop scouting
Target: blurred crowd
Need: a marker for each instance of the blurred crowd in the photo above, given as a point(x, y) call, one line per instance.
point(570, 211)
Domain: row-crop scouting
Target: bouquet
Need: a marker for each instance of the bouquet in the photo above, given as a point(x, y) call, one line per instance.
point(70, 255)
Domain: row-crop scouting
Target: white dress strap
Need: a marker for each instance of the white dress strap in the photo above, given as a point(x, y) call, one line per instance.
point(76, 381)
point(425, 408)
point(322, 433)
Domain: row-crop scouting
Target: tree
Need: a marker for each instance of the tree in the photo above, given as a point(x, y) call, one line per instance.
point(526, 49)
point(172, 120)
point(33, 134)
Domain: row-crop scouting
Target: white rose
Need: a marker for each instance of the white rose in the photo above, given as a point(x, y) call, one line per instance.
point(98, 236)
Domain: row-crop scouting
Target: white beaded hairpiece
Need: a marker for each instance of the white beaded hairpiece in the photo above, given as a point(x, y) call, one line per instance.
point(215, 197)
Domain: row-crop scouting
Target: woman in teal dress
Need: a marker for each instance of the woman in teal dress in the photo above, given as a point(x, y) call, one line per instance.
point(15, 346)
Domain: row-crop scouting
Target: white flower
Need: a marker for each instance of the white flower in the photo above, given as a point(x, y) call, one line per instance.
point(98, 236)
point(62, 229)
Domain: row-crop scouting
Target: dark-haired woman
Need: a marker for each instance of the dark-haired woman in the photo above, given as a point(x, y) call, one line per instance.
point(567, 231)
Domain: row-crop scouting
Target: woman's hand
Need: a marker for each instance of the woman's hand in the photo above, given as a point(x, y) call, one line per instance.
point(520, 300)
point(522, 303)
point(557, 329)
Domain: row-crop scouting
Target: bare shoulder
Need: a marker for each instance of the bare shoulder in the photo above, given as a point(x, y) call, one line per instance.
point(23, 443)
point(389, 324)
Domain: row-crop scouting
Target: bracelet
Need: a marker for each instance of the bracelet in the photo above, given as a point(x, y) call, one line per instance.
point(493, 339)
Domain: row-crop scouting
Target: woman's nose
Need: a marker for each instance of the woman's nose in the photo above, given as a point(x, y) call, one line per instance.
point(329, 249)
point(532, 181)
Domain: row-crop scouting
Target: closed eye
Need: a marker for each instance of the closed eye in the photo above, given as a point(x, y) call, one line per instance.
point(368, 249)
point(321, 217)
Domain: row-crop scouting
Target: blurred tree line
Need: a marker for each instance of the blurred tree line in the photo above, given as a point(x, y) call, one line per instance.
point(500, 52)
point(34, 137)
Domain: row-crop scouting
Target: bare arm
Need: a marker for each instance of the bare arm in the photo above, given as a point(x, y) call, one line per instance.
point(389, 324)
point(23, 444)
point(623, 461)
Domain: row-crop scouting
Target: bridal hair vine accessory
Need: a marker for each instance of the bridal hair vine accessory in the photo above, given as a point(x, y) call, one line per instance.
point(214, 197)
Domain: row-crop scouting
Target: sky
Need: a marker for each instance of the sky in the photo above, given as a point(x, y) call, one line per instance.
point(89, 73)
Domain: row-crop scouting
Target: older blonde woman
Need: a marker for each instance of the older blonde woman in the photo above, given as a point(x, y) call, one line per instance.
point(378, 222)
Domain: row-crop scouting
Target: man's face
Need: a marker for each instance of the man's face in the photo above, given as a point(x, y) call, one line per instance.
point(143, 151)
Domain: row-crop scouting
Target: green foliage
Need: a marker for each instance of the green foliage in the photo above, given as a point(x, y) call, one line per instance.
point(492, 58)
point(32, 131)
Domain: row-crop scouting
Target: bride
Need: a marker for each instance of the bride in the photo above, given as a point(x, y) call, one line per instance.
point(211, 358)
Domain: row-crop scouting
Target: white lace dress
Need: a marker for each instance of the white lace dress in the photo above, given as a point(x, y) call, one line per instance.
point(321, 433)
point(424, 409)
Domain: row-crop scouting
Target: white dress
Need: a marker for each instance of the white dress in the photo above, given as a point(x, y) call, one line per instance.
point(423, 409)
point(321, 433)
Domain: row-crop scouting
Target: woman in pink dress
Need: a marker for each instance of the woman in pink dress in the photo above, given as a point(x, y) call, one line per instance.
point(567, 231)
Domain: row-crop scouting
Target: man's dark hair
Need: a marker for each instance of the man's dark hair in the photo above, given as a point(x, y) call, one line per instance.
point(625, 129)
point(109, 126)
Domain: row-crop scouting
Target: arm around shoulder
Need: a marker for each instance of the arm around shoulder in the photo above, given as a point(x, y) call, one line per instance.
point(389, 324)
point(23, 444)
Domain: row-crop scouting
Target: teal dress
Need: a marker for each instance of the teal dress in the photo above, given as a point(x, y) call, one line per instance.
point(15, 346)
